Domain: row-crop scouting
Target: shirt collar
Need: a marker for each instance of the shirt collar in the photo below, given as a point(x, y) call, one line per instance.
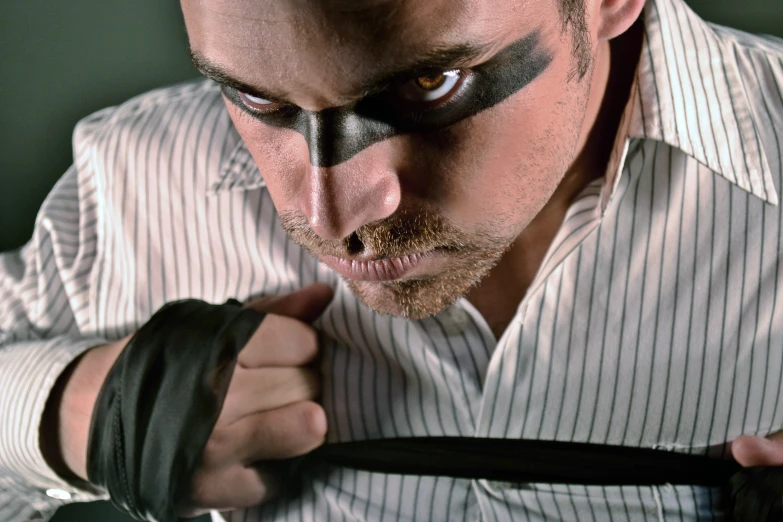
point(690, 94)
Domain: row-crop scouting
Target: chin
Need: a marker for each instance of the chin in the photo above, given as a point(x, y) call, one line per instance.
point(418, 298)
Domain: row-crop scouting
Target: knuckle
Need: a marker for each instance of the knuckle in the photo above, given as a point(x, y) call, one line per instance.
point(267, 330)
point(288, 330)
point(283, 387)
point(311, 384)
point(216, 449)
point(314, 421)
point(298, 336)
point(308, 340)
point(276, 335)
point(200, 491)
point(267, 487)
point(258, 432)
point(272, 325)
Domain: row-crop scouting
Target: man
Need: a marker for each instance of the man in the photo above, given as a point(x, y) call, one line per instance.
point(535, 219)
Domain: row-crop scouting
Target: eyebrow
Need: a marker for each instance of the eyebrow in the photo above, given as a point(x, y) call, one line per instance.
point(437, 59)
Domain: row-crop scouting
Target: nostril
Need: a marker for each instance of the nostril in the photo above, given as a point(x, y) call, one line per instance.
point(354, 244)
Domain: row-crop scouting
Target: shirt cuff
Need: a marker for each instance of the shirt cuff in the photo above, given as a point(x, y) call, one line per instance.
point(28, 372)
point(216, 516)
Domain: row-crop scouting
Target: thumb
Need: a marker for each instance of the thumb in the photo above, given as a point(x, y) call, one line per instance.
point(758, 451)
point(305, 304)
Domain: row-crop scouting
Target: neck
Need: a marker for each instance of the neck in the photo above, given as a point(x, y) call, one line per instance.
point(501, 291)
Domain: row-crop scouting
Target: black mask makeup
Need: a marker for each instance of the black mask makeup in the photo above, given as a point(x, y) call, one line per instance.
point(335, 135)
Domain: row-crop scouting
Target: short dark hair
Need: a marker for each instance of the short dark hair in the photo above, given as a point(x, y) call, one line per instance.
point(574, 18)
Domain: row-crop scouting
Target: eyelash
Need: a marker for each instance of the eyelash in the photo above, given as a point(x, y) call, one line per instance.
point(414, 114)
point(248, 112)
point(273, 105)
point(244, 112)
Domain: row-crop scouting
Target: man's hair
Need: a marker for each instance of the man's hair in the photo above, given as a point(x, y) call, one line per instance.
point(574, 18)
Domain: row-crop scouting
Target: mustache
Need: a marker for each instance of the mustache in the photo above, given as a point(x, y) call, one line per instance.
point(402, 233)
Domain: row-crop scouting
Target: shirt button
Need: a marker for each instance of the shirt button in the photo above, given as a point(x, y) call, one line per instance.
point(58, 494)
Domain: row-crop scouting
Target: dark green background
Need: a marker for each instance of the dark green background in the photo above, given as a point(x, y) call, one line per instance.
point(61, 60)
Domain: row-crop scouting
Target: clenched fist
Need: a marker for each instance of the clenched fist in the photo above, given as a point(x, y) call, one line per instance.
point(269, 412)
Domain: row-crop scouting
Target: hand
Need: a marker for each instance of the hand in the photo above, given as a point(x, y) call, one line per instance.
point(268, 413)
point(752, 451)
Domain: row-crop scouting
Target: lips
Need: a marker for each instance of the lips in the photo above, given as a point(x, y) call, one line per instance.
point(386, 269)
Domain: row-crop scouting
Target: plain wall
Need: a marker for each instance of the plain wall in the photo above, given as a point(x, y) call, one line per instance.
point(62, 60)
point(59, 62)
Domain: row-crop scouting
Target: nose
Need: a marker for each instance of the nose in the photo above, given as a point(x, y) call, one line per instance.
point(340, 195)
point(338, 200)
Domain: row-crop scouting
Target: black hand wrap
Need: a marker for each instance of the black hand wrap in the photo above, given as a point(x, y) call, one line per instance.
point(160, 402)
point(164, 394)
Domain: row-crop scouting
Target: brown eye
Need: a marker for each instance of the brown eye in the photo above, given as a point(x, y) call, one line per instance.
point(430, 83)
point(431, 88)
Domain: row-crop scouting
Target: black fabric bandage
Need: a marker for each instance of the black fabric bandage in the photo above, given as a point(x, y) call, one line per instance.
point(161, 401)
point(162, 398)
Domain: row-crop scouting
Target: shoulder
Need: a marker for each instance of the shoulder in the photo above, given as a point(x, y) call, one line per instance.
point(770, 45)
point(758, 62)
point(755, 63)
point(196, 97)
point(165, 134)
point(755, 70)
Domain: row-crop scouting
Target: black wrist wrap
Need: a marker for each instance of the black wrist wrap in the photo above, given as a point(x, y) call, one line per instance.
point(164, 394)
point(160, 402)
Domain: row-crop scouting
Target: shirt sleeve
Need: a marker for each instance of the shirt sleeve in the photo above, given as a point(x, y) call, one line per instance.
point(44, 289)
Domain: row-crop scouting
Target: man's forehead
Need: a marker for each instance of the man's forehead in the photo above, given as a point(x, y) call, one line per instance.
point(365, 14)
point(296, 45)
point(275, 26)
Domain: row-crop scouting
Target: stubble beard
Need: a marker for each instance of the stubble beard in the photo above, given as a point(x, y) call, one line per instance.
point(469, 258)
point(424, 297)
point(471, 255)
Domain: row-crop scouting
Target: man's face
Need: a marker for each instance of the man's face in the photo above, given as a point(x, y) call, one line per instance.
point(405, 143)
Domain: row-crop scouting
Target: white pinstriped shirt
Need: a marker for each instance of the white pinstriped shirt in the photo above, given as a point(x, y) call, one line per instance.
point(652, 322)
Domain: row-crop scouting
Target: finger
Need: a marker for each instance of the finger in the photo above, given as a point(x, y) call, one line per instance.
point(758, 451)
point(285, 432)
point(280, 341)
point(305, 304)
point(260, 389)
point(230, 487)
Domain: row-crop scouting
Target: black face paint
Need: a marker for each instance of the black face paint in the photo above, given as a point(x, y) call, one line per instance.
point(337, 134)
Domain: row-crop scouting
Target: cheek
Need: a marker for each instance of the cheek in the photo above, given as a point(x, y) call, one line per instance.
point(500, 167)
point(495, 169)
point(280, 155)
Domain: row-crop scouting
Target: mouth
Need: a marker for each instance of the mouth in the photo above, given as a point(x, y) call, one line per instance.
point(384, 269)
